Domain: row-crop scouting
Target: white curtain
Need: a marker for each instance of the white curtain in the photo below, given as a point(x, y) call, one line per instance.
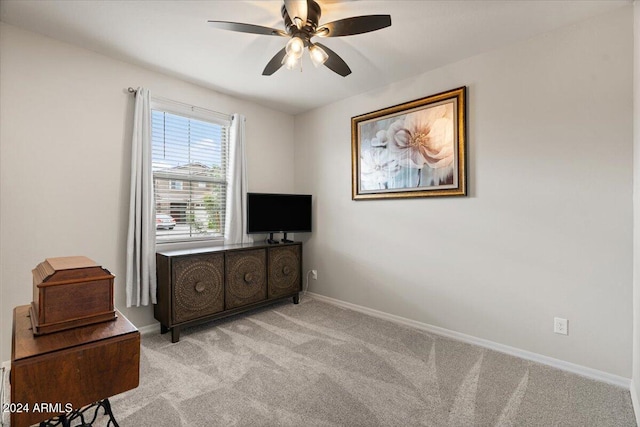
point(141, 238)
point(236, 215)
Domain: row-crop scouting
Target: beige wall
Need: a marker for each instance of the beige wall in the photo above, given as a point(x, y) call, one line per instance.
point(547, 227)
point(546, 230)
point(635, 385)
point(64, 158)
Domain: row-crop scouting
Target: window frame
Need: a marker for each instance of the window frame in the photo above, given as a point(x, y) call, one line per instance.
point(201, 114)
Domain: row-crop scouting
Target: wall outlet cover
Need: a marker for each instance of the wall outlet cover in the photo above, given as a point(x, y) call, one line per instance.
point(560, 326)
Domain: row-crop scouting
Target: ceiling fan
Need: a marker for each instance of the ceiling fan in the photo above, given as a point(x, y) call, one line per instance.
point(301, 19)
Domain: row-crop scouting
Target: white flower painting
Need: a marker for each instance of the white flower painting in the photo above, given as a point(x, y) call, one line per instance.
point(411, 152)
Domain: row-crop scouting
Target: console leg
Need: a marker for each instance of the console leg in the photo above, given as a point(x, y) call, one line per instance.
point(107, 411)
point(296, 298)
point(164, 329)
point(175, 334)
point(83, 415)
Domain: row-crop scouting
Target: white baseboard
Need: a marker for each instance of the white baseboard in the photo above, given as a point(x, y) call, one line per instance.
point(149, 329)
point(635, 401)
point(524, 354)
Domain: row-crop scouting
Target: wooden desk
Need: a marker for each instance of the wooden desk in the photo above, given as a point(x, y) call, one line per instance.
point(78, 366)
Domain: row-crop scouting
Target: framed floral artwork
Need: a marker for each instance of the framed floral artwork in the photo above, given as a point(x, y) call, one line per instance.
point(415, 149)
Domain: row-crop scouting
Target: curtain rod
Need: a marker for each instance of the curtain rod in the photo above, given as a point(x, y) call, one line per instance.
point(182, 104)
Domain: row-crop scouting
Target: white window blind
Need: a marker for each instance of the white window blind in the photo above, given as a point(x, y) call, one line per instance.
point(190, 152)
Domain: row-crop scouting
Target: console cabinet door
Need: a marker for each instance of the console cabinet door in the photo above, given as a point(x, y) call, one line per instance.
point(198, 286)
point(284, 270)
point(246, 277)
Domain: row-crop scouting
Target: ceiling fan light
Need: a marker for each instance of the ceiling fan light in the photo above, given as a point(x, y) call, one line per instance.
point(318, 55)
point(290, 62)
point(295, 47)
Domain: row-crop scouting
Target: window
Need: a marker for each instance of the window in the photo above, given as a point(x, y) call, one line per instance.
point(189, 154)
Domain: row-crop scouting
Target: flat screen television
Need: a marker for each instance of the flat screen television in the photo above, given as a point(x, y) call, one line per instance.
point(269, 213)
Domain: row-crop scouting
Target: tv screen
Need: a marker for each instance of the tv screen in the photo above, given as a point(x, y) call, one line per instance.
point(278, 213)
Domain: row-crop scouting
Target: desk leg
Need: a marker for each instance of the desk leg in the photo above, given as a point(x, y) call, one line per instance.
point(65, 420)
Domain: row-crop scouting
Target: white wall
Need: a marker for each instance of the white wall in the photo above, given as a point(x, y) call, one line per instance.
point(547, 227)
point(65, 158)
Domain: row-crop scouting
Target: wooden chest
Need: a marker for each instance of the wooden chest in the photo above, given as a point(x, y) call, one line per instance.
point(69, 292)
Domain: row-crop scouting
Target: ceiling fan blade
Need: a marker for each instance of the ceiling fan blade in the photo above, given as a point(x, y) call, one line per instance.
point(297, 9)
point(275, 63)
point(247, 28)
point(354, 25)
point(334, 62)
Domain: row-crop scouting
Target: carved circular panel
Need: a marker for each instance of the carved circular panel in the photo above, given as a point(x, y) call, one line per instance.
point(246, 277)
point(284, 270)
point(198, 286)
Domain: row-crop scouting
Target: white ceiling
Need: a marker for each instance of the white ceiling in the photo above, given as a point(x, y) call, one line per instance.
point(173, 37)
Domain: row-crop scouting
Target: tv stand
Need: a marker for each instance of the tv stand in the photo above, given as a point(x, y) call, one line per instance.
point(271, 240)
point(199, 285)
point(284, 239)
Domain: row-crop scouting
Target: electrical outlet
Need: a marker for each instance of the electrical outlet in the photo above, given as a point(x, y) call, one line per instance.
point(560, 326)
point(314, 274)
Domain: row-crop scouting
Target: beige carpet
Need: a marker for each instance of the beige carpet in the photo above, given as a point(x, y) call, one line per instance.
point(314, 364)
point(317, 364)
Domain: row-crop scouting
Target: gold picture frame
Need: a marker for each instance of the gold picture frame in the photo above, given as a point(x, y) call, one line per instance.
point(415, 149)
